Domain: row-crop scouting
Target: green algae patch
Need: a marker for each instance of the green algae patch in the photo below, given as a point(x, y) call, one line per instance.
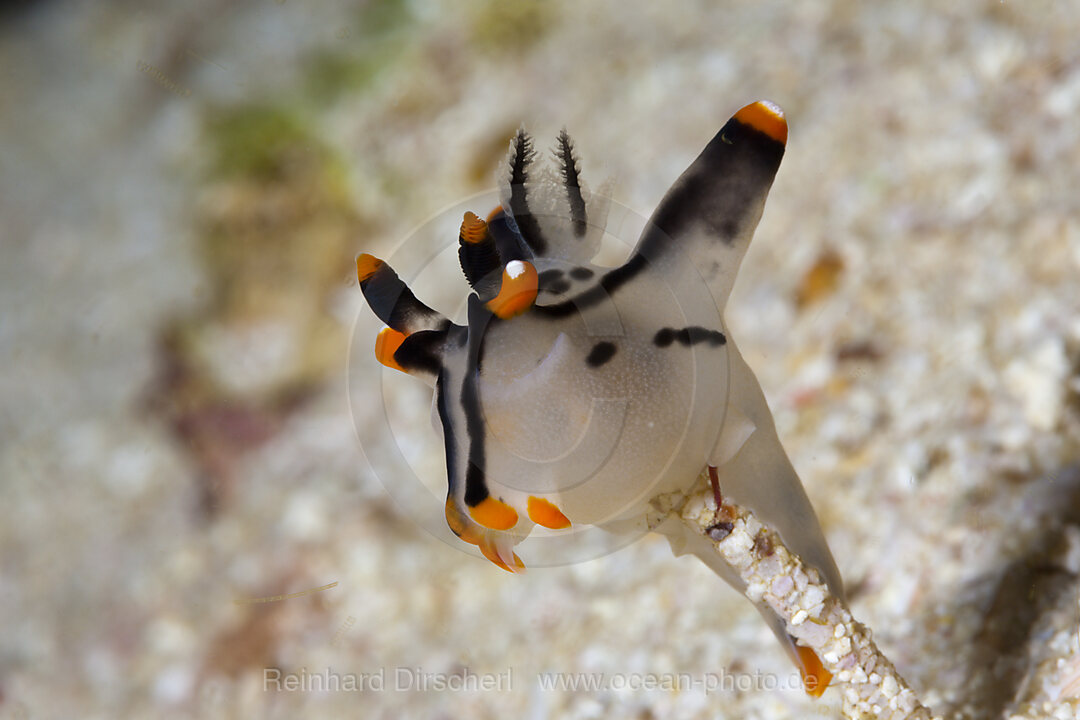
point(501, 27)
point(374, 43)
point(263, 141)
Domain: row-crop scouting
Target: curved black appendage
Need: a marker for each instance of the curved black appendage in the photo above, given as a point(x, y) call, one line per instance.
point(521, 157)
point(564, 151)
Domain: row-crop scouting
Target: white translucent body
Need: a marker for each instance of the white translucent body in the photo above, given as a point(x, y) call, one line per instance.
point(601, 441)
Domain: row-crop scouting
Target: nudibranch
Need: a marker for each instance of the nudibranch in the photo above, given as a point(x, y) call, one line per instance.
point(576, 394)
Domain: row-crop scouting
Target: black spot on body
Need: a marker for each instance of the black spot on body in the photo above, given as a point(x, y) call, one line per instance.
point(600, 353)
point(553, 281)
point(664, 337)
point(696, 334)
point(558, 287)
point(581, 273)
point(688, 336)
point(550, 276)
point(598, 293)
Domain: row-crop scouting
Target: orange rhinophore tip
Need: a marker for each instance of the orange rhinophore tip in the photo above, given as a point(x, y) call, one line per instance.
point(520, 283)
point(494, 213)
point(814, 675)
point(386, 344)
point(543, 512)
point(487, 546)
point(366, 266)
point(494, 514)
point(473, 229)
point(765, 117)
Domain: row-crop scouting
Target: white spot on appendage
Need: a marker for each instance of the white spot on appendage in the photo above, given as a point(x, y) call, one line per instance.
point(773, 108)
point(514, 269)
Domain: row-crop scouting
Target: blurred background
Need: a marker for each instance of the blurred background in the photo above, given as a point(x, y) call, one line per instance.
point(183, 188)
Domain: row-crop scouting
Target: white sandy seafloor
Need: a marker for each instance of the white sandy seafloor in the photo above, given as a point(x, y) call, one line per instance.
point(929, 396)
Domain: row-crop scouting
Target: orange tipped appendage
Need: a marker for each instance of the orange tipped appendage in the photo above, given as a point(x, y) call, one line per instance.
point(494, 514)
point(460, 525)
point(520, 283)
point(544, 513)
point(366, 266)
point(491, 552)
point(468, 532)
point(473, 229)
point(766, 118)
point(814, 675)
point(494, 213)
point(386, 344)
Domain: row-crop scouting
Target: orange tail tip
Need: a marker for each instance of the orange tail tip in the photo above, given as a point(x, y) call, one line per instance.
point(520, 283)
point(491, 552)
point(494, 514)
point(386, 344)
point(765, 117)
point(460, 525)
point(366, 266)
point(545, 513)
point(469, 532)
point(473, 229)
point(814, 675)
